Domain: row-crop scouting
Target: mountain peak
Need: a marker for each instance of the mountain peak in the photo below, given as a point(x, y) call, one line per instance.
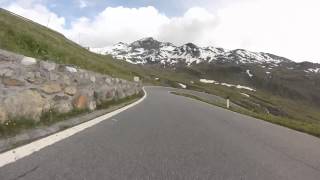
point(147, 39)
point(149, 50)
point(146, 43)
point(191, 45)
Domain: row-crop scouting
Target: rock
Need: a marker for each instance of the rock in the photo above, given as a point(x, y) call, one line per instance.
point(130, 92)
point(70, 90)
point(53, 76)
point(34, 78)
point(86, 75)
point(51, 88)
point(71, 69)
point(48, 66)
point(12, 82)
point(80, 102)
point(30, 77)
point(3, 115)
point(27, 104)
point(103, 93)
point(63, 106)
point(37, 74)
point(110, 94)
point(66, 80)
point(108, 81)
point(116, 80)
point(28, 61)
point(59, 97)
point(119, 93)
point(92, 105)
point(93, 79)
point(6, 72)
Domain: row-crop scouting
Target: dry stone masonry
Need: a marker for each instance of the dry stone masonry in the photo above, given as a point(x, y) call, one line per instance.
point(30, 87)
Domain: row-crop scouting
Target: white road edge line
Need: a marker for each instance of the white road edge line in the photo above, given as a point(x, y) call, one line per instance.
point(26, 150)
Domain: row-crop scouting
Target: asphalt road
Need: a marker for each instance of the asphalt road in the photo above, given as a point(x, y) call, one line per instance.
point(173, 137)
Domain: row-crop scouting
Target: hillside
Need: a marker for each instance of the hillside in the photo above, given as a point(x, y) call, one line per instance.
point(31, 39)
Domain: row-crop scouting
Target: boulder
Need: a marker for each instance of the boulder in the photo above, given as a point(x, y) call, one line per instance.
point(71, 69)
point(120, 94)
point(80, 102)
point(70, 90)
point(27, 104)
point(51, 88)
point(48, 66)
point(66, 80)
point(53, 76)
point(60, 97)
point(12, 82)
point(104, 93)
point(63, 106)
point(108, 81)
point(28, 61)
point(30, 77)
point(34, 78)
point(6, 72)
point(93, 79)
point(92, 105)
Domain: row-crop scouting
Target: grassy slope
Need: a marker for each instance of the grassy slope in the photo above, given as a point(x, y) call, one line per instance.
point(31, 39)
point(312, 128)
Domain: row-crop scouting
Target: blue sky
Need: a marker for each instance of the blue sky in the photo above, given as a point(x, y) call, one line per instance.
point(284, 27)
point(73, 9)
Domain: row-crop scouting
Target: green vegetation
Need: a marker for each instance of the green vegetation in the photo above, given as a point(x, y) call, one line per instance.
point(312, 128)
point(34, 40)
point(14, 126)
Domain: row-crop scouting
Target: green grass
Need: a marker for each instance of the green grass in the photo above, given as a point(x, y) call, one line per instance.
point(309, 127)
point(34, 40)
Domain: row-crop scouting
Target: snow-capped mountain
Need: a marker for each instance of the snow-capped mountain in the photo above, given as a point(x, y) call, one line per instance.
point(151, 51)
point(212, 66)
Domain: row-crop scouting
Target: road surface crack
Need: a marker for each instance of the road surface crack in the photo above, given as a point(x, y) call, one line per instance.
point(26, 173)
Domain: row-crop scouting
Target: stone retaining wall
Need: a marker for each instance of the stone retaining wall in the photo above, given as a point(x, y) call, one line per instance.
point(30, 87)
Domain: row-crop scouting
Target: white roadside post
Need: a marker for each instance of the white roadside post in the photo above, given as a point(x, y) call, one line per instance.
point(228, 102)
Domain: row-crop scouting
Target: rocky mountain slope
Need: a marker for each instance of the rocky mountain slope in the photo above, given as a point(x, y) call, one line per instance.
point(259, 70)
point(151, 51)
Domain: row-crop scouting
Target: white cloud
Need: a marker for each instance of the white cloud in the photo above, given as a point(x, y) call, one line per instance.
point(284, 27)
point(83, 4)
point(38, 13)
point(194, 26)
point(117, 24)
point(288, 28)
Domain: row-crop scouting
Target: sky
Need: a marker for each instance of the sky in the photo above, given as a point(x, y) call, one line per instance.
point(288, 28)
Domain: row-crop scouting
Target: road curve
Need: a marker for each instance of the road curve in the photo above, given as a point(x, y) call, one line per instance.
point(173, 137)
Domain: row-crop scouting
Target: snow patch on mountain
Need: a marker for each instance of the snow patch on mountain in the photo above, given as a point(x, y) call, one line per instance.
point(244, 94)
point(249, 73)
point(182, 85)
point(207, 81)
point(313, 70)
point(226, 84)
point(149, 50)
